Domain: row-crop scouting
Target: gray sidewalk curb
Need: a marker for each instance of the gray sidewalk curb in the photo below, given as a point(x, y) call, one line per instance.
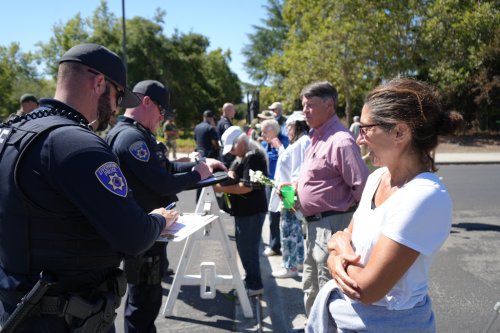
point(451, 158)
point(468, 158)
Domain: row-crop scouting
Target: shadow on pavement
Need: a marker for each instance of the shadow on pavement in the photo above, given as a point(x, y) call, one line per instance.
point(475, 226)
point(190, 308)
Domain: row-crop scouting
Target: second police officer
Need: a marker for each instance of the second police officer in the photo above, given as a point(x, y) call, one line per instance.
point(154, 181)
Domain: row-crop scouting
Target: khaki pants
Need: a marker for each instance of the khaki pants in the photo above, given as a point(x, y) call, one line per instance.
point(172, 146)
point(315, 274)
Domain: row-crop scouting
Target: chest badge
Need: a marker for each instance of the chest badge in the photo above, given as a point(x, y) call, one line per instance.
point(110, 175)
point(140, 151)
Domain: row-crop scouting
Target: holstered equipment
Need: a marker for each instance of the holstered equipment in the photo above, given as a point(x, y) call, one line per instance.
point(94, 312)
point(27, 303)
point(143, 270)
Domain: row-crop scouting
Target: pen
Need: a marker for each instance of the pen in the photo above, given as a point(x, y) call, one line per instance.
point(170, 206)
point(199, 159)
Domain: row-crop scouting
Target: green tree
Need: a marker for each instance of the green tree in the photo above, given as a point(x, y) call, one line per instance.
point(223, 82)
point(357, 44)
point(193, 89)
point(459, 53)
point(326, 41)
point(75, 31)
point(197, 79)
point(18, 75)
point(485, 83)
point(266, 41)
point(7, 75)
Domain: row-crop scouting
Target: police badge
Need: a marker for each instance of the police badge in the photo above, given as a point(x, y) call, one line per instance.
point(110, 175)
point(140, 151)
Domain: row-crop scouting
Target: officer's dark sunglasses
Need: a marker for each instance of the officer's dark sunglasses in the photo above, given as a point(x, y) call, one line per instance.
point(119, 92)
point(160, 108)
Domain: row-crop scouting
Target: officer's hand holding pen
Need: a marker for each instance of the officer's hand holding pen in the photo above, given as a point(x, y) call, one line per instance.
point(214, 164)
point(202, 169)
point(170, 206)
point(170, 215)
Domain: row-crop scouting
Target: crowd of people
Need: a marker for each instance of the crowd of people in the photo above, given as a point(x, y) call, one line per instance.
point(364, 243)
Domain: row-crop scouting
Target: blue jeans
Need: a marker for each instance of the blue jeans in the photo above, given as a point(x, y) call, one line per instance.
point(248, 234)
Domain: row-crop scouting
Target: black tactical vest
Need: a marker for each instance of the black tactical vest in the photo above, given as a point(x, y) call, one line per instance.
point(23, 247)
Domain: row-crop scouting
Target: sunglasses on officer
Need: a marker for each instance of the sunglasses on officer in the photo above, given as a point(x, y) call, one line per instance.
point(119, 92)
point(160, 108)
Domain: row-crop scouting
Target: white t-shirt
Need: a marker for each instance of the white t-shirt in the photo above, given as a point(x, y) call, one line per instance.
point(288, 167)
point(418, 215)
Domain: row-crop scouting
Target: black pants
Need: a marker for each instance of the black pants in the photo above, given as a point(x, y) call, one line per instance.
point(274, 226)
point(274, 229)
point(142, 308)
point(144, 300)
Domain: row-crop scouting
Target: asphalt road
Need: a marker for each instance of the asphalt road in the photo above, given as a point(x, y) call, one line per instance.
point(465, 277)
point(191, 313)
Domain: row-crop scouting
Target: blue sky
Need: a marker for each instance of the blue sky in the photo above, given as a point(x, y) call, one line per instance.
point(226, 23)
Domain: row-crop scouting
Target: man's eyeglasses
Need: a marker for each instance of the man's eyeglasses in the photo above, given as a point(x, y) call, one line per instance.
point(160, 108)
point(119, 92)
point(363, 128)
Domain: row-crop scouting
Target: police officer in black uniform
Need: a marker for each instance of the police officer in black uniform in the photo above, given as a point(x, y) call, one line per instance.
point(228, 112)
point(206, 137)
point(224, 122)
point(154, 181)
point(65, 208)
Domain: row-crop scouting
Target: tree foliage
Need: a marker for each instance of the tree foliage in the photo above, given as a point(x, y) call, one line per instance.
point(357, 44)
point(197, 79)
point(18, 75)
point(265, 42)
point(461, 55)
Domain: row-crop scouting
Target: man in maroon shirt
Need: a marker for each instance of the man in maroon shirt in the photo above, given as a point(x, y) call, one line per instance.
point(330, 185)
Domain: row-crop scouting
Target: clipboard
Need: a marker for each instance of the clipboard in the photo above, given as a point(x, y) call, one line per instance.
point(215, 178)
point(186, 225)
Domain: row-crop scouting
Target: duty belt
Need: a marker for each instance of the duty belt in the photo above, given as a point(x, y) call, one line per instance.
point(319, 216)
point(72, 303)
point(74, 306)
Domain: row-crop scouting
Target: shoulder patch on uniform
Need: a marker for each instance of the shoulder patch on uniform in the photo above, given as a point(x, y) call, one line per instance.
point(110, 175)
point(140, 151)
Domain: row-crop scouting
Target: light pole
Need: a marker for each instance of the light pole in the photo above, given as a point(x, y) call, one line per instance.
point(124, 30)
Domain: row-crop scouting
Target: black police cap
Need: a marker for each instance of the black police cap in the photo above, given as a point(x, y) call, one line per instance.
point(208, 114)
point(157, 92)
point(106, 62)
point(28, 98)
